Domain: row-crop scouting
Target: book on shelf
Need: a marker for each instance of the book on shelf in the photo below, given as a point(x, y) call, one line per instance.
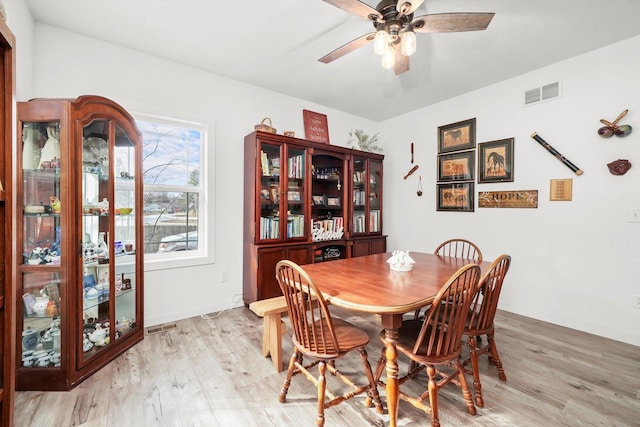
point(269, 227)
point(264, 162)
point(374, 221)
point(270, 165)
point(358, 177)
point(295, 226)
point(327, 229)
point(295, 167)
point(358, 222)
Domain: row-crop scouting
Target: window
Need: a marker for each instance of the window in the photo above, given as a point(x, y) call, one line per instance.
point(175, 199)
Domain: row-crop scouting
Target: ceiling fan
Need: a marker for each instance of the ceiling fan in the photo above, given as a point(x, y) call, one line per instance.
point(394, 37)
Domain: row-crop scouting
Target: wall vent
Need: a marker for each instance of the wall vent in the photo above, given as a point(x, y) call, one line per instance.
point(157, 329)
point(542, 93)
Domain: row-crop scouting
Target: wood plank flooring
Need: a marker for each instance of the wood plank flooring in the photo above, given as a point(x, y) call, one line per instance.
point(208, 371)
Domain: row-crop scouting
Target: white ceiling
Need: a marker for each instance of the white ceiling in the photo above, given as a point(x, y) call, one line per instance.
point(276, 44)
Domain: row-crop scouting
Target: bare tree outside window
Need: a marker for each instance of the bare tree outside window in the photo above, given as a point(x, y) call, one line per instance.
point(172, 166)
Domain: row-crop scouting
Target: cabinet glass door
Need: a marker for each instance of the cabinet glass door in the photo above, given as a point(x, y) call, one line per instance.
point(96, 236)
point(295, 193)
point(109, 236)
point(125, 233)
point(359, 196)
point(41, 275)
point(375, 196)
point(270, 158)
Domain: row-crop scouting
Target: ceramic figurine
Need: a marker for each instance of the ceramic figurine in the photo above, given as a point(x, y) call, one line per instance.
point(401, 261)
point(55, 204)
point(51, 149)
point(31, 148)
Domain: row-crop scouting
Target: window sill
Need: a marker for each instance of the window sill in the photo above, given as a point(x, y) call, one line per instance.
point(152, 263)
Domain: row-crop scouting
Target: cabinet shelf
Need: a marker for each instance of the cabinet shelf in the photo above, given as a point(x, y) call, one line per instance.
point(88, 304)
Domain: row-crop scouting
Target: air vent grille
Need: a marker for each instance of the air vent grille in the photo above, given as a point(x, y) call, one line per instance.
point(542, 93)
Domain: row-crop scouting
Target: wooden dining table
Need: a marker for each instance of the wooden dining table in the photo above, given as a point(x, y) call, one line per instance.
point(367, 284)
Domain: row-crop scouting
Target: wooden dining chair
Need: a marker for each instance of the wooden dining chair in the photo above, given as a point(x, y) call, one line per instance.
point(435, 343)
point(480, 322)
point(322, 339)
point(459, 248)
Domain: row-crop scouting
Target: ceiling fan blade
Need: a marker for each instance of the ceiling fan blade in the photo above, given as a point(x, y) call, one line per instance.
point(452, 22)
point(406, 7)
point(347, 48)
point(402, 62)
point(357, 8)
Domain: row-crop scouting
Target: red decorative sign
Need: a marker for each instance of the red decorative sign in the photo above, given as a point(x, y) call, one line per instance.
point(315, 127)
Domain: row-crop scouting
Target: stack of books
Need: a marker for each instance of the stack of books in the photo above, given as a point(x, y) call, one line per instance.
point(327, 229)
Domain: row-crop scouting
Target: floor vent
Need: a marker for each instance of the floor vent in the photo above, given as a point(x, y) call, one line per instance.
point(542, 93)
point(157, 329)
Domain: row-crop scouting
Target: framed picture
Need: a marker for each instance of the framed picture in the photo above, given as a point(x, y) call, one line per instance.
point(318, 200)
point(457, 166)
point(275, 195)
point(315, 126)
point(457, 136)
point(455, 197)
point(495, 161)
point(333, 201)
point(293, 196)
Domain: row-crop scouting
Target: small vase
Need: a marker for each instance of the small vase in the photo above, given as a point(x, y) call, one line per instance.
point(102, 244)
point(31, 148)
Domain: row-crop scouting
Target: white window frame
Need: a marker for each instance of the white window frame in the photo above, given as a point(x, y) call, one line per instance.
point(205, 252)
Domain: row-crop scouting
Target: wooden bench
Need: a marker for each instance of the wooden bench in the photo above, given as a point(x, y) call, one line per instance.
point(273, 327)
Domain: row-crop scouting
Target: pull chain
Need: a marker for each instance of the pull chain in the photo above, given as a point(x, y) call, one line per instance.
point(419, 192)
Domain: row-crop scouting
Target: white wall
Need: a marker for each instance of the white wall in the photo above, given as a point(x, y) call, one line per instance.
point(574, 263)
point(21, 24)
point(68, 65)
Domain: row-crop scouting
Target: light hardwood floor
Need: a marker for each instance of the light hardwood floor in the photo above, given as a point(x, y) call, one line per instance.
point(210, 372)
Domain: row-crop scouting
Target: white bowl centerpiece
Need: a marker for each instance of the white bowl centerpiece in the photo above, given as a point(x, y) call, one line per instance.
point(401, 261)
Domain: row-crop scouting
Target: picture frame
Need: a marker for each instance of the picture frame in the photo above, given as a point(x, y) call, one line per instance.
point(495, 161)
point(293, 196)
point(275, 195)
point(456, 197)
point(333, 201)
point(457, 166)
point(318, 200)
point(457, 136)
point(315, 126)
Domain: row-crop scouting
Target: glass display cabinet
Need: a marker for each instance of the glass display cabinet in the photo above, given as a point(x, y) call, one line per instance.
point(80, 278)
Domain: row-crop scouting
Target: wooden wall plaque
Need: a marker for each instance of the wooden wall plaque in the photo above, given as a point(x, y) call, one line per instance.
point(508, 199)
point(561, 190)
point(315, 126)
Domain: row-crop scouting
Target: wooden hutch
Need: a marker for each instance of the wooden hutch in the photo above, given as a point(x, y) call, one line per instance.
point(307, 202)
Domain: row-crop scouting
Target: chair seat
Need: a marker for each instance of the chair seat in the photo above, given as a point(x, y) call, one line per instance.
point(406, 341)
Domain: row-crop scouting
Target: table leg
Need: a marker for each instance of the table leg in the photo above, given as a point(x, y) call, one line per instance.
point(393, 392)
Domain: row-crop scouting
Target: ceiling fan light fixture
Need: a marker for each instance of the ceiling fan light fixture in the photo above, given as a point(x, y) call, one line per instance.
point(380, 42)
point(408, 43)
point(388, 58)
